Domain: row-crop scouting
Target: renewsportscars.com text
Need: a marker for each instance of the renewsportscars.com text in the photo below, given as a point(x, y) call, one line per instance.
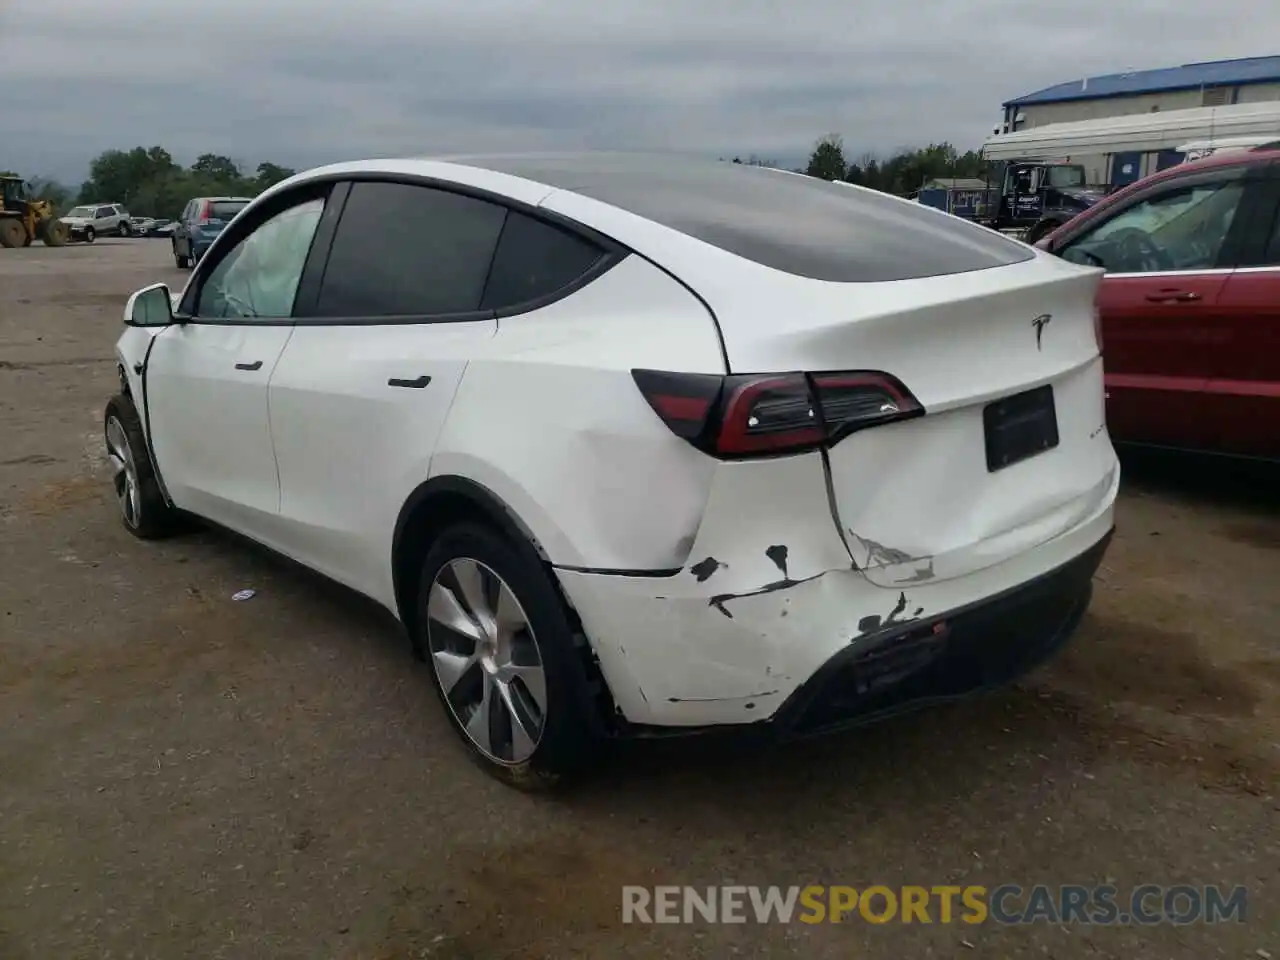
point(1147, 904)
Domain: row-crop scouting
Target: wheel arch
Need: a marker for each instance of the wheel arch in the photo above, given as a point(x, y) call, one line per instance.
point(432, 506)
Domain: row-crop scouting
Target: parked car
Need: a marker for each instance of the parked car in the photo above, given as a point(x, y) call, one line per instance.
point(90, 221)
point(146, 226)
point(199, 225)
point(162, 229)
point(1190, 304)
point(634, 447)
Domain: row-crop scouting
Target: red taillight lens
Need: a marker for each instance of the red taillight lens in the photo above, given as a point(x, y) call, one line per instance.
point(770, 414)
point(205, 209)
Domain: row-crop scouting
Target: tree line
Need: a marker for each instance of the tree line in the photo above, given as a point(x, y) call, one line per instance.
point(902, 173)
point(150, 183)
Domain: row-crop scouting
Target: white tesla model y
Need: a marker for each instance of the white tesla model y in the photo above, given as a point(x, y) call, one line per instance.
point(635, 445)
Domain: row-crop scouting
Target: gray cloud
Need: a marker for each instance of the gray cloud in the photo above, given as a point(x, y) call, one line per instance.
point(309, 81)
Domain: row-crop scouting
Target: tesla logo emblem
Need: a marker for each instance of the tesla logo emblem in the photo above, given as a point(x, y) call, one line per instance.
point(1040, 323)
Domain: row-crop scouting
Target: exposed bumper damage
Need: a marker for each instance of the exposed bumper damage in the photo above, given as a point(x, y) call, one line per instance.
point(772, 606)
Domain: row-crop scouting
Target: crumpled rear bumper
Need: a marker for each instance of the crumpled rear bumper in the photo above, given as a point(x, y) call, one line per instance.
point(772, 622)
point(965, 651)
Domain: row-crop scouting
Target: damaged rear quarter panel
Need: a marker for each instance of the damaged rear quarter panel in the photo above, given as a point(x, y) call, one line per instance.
point(749, 617)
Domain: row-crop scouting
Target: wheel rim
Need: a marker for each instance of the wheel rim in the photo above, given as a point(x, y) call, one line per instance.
point(486, 658)
point(124, 473)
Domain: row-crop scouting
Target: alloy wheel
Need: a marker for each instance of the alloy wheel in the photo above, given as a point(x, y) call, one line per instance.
point(487, 660)
point(124, 473)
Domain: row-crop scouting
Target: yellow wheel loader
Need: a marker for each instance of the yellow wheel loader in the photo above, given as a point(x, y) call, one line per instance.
point(23, 218)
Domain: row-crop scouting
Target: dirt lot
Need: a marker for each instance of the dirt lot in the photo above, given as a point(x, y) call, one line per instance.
point(183, 775)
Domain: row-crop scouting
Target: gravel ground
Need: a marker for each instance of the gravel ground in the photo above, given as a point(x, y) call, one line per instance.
point(184, 775)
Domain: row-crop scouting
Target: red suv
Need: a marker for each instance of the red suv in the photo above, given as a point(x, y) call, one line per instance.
point(1190, 304)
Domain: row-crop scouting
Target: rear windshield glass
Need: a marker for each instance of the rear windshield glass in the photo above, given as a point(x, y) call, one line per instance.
point(226, 209)
point(790, 222)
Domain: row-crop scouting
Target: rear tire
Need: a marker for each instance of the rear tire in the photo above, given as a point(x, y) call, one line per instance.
point(12, 232)
point(506, 659)
point(142, 506)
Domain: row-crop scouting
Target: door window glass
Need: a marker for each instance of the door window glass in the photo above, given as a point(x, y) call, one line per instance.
point(534, 260)
point(1271, 257)
point(1182, 229)
point(258, 278)
point(407, 250)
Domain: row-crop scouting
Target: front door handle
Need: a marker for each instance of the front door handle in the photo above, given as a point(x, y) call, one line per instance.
point(416, 384)
point(256, 365)
point(1173, 296)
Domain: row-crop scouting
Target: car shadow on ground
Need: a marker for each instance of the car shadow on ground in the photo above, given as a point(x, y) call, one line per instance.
point(1199, 479)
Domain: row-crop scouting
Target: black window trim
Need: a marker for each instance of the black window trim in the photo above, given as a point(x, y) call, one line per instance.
point(229, 238)
point(1231, 251)
point(317, 262)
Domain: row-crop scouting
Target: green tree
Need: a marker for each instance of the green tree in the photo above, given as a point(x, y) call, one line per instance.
point(269, 174)
point(216, 168)
point(827, 160)
point(118, 175)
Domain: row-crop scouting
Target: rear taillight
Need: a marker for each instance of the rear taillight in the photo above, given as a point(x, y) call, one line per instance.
point(205, 210)
point(760, 415)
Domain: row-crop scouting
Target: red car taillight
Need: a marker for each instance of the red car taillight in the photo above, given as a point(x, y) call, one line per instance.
point(749, 415)
point(205, 209)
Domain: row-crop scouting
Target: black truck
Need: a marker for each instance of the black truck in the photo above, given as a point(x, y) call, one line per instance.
point(1033, 196)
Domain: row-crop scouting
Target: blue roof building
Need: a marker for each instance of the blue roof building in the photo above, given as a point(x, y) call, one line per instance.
point(1191, 76)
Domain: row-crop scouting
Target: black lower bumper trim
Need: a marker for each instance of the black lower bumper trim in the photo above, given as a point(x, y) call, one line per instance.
point(978, 647)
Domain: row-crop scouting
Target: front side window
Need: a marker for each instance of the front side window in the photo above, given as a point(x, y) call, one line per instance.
point(405, 250)
point(258, 278)
point(1271, 258)
point(1180, 229)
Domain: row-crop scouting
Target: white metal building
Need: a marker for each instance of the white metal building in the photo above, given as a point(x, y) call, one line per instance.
point(1215, 84)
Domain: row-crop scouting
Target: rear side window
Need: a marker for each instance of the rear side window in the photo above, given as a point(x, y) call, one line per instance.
point(407, 250)
point(534, 260)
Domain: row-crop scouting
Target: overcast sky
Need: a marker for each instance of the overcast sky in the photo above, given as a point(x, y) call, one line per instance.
point(302, 82)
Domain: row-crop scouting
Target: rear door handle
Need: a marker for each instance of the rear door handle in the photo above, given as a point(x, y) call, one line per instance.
point(1173, 296)
point(416, 384)
point(256, 365)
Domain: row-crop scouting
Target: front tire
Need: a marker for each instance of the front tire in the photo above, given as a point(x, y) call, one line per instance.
point(506, 659)
point(142, 505)
point(89, 235)
point(12, 232)
point(125, 230)
point(179, 260)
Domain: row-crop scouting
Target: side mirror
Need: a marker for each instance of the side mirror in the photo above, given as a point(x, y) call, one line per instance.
point(149, 307)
